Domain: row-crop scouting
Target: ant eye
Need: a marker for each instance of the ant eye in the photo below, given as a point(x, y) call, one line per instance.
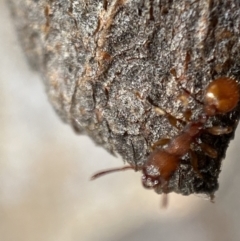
point(222, 95)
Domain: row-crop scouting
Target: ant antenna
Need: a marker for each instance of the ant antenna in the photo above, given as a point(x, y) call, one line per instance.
point(102, 173)
point(164, 201)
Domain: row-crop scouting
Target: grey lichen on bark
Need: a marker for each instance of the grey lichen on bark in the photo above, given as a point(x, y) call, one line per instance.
point(114, 68)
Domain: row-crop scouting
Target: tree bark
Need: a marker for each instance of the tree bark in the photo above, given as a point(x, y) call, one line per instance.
point(114, 68)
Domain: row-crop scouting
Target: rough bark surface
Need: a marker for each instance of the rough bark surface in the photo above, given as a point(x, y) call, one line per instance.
point(111, 66)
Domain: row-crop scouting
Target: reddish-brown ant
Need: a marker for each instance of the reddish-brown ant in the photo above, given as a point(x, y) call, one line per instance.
point(221, 96)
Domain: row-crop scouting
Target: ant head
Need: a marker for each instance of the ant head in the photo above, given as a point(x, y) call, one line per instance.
point(221, 96)
point(151, 176)
point(159, 168)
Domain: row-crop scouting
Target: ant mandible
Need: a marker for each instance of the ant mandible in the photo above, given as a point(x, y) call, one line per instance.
point(221, 96)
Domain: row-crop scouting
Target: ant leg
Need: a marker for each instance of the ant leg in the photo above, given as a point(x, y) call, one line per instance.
point(212, 198)
point(187, 93)
point(164, 201)
point(209, 150)
point(188, 115)
point(160, 142)
point(101, 173)
point(219, 130)
point(185, 100)
point(179, 177)
point(172, 120)
point(215, 130)
point(194, 162)
point(190, 94)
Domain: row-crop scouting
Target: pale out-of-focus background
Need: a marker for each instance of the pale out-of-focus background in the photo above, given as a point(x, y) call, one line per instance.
point(45, 192)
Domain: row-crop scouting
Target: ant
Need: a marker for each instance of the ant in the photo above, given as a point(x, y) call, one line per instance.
point(221, 96)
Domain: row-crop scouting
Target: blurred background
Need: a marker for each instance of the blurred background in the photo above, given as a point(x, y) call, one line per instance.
point(45, 192)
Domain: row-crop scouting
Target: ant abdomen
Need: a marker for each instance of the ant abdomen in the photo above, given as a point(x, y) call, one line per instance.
point(221, 96)
point(160, 167)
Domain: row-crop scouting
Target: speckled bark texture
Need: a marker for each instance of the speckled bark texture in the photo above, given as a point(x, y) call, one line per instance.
point(114, 68)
